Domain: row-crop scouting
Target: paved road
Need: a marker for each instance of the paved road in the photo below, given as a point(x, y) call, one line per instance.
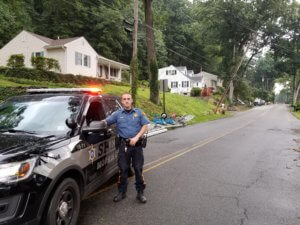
point(243, 170)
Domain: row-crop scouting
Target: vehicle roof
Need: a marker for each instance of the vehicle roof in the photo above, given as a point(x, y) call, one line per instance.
point(69, 91)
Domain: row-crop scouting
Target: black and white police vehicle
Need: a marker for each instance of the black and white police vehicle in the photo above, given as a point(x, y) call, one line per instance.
point(54, 151)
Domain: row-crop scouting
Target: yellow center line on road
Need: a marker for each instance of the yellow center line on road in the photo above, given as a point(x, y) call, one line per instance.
point(163, 160)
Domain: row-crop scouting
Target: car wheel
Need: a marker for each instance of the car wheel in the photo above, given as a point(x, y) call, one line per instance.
point(65, 204)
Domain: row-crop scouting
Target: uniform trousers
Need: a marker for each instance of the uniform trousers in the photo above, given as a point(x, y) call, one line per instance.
point(131, 155)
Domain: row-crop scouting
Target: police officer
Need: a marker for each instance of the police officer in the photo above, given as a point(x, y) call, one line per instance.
point(131, 125)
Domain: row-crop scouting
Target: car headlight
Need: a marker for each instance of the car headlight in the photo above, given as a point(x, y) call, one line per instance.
point(13, 172)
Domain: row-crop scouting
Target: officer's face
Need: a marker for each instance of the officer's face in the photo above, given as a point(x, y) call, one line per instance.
point(126, 101)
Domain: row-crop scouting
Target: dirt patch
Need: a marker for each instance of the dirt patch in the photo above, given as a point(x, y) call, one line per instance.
point(297, 141)
point(297, 131)
point(296, 150)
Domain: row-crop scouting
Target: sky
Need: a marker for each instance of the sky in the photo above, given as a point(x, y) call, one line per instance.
point(277, 88)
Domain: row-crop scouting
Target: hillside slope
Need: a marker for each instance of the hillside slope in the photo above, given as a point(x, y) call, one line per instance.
point(181, 105)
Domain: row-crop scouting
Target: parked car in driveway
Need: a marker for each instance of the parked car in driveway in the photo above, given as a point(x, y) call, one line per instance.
point(54, 151)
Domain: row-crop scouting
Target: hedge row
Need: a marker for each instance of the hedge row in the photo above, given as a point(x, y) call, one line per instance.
point(41, 75)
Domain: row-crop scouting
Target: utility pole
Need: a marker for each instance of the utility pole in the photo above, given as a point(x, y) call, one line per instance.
point(134, 61)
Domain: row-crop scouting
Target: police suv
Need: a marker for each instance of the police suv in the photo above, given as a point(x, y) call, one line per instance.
point(54, 151)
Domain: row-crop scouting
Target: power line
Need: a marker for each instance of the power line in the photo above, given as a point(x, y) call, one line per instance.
point(169, 49)
point(146, 25)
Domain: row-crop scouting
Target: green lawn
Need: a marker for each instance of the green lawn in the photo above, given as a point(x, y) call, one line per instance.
point(296, 114)
point(181, 105)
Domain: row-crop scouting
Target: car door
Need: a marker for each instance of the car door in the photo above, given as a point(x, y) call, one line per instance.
point(111, 105)
point(102, 146)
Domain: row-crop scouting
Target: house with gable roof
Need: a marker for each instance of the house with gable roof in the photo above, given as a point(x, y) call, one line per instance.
point(75, 55)
point(181, 80)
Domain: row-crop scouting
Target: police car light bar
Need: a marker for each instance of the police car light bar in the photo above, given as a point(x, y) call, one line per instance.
point(65, 90)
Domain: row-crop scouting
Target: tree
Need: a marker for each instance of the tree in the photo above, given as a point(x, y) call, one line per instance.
point(236, 26)
point(286, 45)
point(151, 53)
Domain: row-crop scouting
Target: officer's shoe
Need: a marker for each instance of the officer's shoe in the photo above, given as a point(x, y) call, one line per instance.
point(140, 196)
point(120, 196)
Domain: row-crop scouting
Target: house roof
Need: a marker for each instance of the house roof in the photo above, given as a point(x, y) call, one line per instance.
point(61, 42)
point(195, 78)
point(190, 72)
point(42, 38)
point(181, 68)
point(53, 42)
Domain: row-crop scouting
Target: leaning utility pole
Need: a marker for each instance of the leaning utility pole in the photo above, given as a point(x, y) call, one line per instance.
point(134, 61)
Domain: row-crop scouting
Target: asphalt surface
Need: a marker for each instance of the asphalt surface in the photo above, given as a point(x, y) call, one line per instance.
point(242, 170)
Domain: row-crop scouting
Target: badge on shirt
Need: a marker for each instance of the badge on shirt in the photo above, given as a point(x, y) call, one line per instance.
point(135, 115)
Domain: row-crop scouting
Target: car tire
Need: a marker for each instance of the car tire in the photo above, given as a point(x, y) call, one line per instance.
point(64, 205)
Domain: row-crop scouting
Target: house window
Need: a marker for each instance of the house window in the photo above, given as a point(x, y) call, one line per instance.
point(113, 72)
point(174, 84)
point(213, 83)
point(87, 60)
point(78, 58)
point(36, 54)
point(100, 71)
point(171, 72)
point(185, 84)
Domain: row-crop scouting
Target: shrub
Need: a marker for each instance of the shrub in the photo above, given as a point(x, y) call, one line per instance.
point(38, 62)
point(16, 61)
point(196, 92)
point(52, 64)
point(42, 75)
point(43, 63)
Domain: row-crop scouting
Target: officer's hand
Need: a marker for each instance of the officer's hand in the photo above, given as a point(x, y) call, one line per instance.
point(133, 141)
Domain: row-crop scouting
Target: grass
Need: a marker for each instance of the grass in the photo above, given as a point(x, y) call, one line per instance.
point(296, 114)
point(178, 104)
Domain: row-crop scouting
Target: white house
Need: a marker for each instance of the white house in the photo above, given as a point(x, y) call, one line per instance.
point(75, 55)
point(209, 80)
point(178, 81)
point(181, 80)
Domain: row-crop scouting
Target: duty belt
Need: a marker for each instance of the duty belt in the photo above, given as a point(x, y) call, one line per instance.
point(127, 141)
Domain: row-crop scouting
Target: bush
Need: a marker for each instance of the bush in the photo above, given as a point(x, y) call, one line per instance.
point(38, 62)
point(42, 75)
point(196, 92)
point(219, 91)
point(16, 61)
point(52, 64)
point(43, 63)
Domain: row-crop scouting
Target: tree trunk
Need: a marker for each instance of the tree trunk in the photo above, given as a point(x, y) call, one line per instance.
point(134, 67)
point(151, 53)
point(234, 74)
point(296, 93)
point(231, 89)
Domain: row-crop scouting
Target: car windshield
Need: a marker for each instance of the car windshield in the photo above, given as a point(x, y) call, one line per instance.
point(39, 114)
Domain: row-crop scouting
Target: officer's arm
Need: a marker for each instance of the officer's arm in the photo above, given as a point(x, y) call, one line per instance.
point(143, 130)
point(111, 119)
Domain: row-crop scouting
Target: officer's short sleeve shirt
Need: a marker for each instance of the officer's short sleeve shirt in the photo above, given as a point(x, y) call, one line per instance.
point(128, 124)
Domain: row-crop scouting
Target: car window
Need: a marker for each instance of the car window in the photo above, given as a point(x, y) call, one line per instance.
point(111, 106)
point(95, 112)
point(39, 114)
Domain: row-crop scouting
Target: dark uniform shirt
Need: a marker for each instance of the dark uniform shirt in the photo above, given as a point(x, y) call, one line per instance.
point(129, 123)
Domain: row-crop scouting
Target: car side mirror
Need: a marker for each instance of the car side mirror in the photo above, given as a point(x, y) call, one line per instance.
point(95, 127)
point(71, 123)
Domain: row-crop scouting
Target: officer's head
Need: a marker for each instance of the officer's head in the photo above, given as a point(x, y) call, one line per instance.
point(126, 100)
